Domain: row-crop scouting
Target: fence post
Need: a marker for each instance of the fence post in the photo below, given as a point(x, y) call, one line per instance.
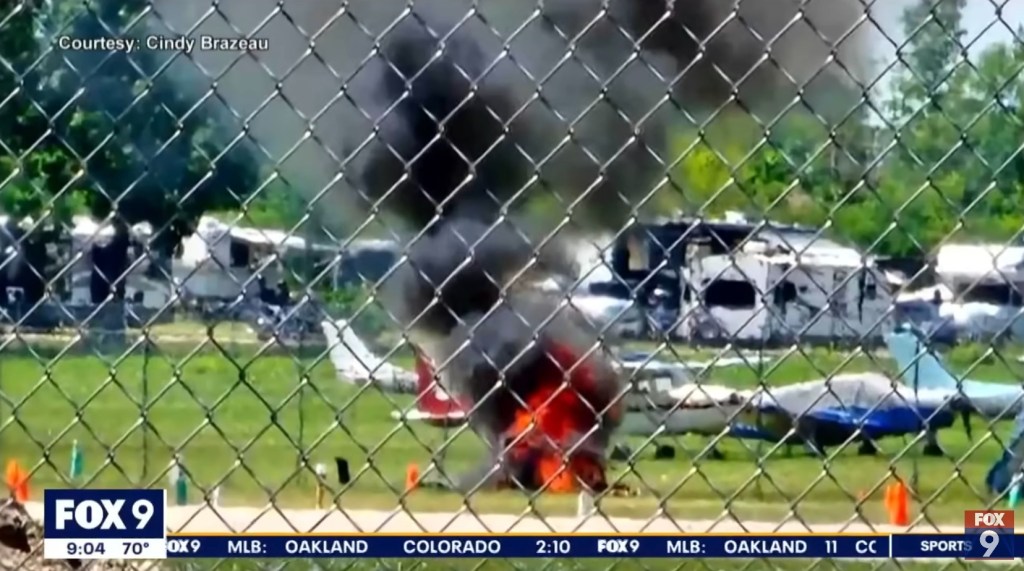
point(145, 405)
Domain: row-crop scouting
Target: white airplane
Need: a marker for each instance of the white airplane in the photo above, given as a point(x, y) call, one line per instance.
point(666, 399)
point(642, 367)
point(821, 413)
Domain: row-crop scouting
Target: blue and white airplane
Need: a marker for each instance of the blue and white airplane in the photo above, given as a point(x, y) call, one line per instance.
point(920, 367)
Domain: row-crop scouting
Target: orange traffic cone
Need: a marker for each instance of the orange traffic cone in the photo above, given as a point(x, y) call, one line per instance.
point(17, 481)
point(12, 474)
point(22, 492)
point(889, 501)
point(412, 477)
point(899, 513)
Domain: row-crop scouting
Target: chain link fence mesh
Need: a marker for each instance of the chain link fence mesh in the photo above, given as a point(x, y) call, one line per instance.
point(272, 255)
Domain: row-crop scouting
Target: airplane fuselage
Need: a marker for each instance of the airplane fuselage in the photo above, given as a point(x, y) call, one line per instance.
point(709, 420)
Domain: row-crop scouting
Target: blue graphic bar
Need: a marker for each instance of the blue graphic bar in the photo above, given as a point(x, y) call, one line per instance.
point(840, 546)
point(520, 546)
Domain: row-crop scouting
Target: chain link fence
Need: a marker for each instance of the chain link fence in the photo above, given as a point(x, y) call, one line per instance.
point(437, 265)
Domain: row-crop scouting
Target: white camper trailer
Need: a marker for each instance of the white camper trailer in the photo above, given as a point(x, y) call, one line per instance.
point(221, 261)
point(981, 289)
point(777, 290)
point(141, 287)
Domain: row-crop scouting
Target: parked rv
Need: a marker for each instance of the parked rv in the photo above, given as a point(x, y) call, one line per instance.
point(779, 288)
point(981, 288)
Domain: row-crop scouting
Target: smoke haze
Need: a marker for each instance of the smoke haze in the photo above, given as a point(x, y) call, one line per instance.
point(311, 105)
point(448, 117)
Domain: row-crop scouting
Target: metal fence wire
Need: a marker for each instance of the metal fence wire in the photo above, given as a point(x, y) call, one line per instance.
point(432, 265)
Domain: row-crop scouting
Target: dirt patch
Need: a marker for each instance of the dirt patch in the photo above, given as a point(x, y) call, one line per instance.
point(21, 546)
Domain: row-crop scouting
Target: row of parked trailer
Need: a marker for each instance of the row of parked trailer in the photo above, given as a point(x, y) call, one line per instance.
point(767, 284)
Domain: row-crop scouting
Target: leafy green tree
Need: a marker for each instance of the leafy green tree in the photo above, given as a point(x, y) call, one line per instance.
point(957, 168)
point(935, 33)
point(921, 184)
point(145, 148)
point(115, 136)
point(38, 175)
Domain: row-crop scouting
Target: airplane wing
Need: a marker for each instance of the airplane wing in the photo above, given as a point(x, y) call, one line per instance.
point(689, 409)
point(642, 365)
point(667, 379)
point(390, 379)
point(674, 374)
point(690, 396)
point(867, 391)
point(725, 362)
point(993, 399)
point(418, 415)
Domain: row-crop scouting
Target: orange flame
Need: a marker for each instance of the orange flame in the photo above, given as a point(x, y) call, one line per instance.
point(563, 407)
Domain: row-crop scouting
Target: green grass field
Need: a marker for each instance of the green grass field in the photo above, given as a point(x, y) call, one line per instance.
point(255, 424)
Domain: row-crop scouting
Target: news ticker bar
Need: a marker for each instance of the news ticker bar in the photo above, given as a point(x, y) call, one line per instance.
point(981, 545)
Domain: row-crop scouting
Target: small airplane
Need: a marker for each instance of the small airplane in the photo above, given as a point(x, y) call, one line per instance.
point(922, 368)
point(925, 396)
point(681, 410)
point(666, 399)
point(839, 409)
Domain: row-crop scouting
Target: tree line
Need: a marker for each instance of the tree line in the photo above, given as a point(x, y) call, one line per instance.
point(940, 157)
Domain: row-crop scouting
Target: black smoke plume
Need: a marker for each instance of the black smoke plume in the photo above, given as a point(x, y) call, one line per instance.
point(468, 138)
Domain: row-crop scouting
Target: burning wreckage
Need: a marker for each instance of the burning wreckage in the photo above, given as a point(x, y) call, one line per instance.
point(467, 135)
point(668, 398)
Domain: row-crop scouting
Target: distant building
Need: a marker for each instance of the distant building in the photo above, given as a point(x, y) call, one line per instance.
point(980, 290)
point(221, 261)
point(754, 282)
point(87, 280)
point(780, 287)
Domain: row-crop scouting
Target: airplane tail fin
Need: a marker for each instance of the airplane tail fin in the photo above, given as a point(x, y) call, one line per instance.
point(348, 353)
point(432, 399)
point(917, 362)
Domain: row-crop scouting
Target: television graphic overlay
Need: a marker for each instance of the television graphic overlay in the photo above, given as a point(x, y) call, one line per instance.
point(989, 534)
point(104, 524)
point(421, 546)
